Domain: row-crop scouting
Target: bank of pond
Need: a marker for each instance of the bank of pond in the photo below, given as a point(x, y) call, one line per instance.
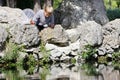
point(61, 71)
point(101, 68)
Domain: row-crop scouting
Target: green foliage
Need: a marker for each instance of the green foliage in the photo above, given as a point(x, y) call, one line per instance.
point(113, 13)
point(89, 69)
point(31, 60)
point(116, 60)
point(56, 3)
point(88, 52)
point(31, 69)
point(102, 59)
point(116, 56)
point(116, 65)
point(45, 54)
point(118, 3)
point(44, 73)
point(73, 60)
point(31, 63)
point(13, 75)
point(110, 4)
point(12, 51)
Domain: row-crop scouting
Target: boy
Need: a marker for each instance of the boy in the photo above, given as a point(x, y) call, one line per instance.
point(44, 18)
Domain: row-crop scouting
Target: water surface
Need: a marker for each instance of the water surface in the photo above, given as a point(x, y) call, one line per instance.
point(62, 71)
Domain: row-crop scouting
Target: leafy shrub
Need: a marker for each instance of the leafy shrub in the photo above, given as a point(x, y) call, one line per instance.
point(113, 13)
point(12, 52)
point(88, 52)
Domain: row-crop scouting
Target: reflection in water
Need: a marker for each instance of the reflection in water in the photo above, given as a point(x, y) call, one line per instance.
point(63, 72)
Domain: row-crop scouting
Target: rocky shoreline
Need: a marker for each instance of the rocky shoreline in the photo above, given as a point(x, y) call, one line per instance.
point(62, 44)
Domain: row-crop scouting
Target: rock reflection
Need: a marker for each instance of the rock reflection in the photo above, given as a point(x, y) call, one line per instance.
point(64, 72)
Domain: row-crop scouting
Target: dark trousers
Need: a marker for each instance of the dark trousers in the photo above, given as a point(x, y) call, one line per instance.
point(40, 27)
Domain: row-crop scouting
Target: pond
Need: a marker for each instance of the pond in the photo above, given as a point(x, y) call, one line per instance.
point(62, 71)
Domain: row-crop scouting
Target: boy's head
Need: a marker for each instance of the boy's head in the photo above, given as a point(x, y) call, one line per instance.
point(48, 10)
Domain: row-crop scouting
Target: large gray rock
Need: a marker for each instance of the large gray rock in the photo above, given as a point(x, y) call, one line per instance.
point(74, 12)
point(3, 37)
point(27, 35)
point(111, 34)
point(12, 15)
point(56, 36)
point(73, 35)
point(90, 33)
point(29, 13)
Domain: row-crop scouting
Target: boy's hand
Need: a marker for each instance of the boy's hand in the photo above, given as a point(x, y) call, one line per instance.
point(45, 25)
point(32, 22)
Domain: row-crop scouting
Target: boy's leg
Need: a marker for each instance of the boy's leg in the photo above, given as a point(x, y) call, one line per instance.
point(40, 27)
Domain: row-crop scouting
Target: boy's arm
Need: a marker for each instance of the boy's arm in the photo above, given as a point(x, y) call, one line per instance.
point(39, 18)
point(52, 22)
point(35, 18)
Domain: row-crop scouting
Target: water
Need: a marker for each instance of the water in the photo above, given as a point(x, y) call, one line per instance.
point(62, 71)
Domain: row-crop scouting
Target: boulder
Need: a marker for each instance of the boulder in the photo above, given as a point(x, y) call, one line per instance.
point(3, 37)
point(29, 13)
point(12, 15)
point(73, 35)
point(111, 40)
point(72, 13)
point(56, 36)
point(27, 35)
point(90, 33)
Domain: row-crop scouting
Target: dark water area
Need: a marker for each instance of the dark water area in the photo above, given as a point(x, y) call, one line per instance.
point(62, 71)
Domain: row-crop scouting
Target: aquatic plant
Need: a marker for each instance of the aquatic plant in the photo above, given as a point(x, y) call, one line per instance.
point(88, 52)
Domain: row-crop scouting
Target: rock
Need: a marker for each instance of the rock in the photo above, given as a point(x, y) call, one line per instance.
point(56, 52)
point(65, 50)
point(109, 73)
point(90, 33)
point(27, 35)
point(12, 15)
point(55, 55)
point(63, 53)
point(22, 56)
point(2, 54)
point(111, 34)
point(72, 13)
point(46, 34)
point(7, 26)
point(56, 36)
point(64, 72)
point(32, 50)
point(2, 76)
point(109, 55)
point(75, 46)
point(29, 13)
point(3, 37)
point(50, 47)
point(101, 51)
point(65, 58)
point(73, 35)
point(54, 69)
